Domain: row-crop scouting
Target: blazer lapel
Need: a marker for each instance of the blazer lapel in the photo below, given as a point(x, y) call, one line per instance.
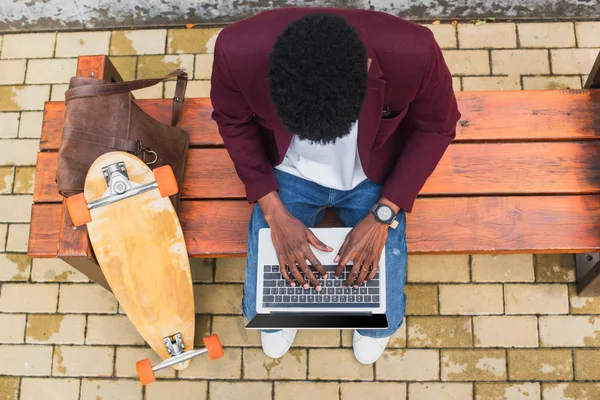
point(370, 117)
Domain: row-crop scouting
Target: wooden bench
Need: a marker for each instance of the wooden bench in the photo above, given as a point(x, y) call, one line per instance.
point(523, 176)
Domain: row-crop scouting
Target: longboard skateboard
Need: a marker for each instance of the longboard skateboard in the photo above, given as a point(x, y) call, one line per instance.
point(138, 242)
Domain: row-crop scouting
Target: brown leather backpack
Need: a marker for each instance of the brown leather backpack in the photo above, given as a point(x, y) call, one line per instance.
point(102, 116)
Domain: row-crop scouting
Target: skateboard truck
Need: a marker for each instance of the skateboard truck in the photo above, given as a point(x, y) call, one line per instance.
point(176, 349)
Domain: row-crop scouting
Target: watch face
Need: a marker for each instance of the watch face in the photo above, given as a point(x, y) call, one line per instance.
point(384, 213)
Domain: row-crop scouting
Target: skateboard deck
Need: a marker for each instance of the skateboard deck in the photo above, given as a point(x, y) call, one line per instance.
point(140, 248)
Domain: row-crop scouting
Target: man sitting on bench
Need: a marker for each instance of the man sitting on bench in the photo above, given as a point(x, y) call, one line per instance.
point(339, 108)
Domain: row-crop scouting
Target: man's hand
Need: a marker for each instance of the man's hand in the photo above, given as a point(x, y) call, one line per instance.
point(291, 240)
point(363, 245)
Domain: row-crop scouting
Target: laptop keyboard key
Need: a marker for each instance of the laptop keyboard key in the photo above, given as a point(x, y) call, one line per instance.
point(367, 299)
point(286, 299)
point(337, 282)
point(335, 298)
point(375, 299)
point(318, 299)
point(266, 291)
point(290, 290)
point(343, 298)
point(363, 290)
point(347, 290)
point(280, 283)
point(274, 291)
point(359, 299)
point(328, 283)
point(311, 299)
point(351, 298)
point(327, 299)
point(268, 299)
point(281, 290)
point(294, 299)
point(339, 290)
point(373, 283)
point(270, 283)
point(303, 298)
point(298, 290)
point(274, 268)
point(278, 299)
point(272, 275)
point(373, 290)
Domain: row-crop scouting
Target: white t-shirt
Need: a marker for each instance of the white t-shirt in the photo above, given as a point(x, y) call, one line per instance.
point(335, 166)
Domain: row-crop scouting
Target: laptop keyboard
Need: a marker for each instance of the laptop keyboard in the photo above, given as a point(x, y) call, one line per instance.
point(278, 293)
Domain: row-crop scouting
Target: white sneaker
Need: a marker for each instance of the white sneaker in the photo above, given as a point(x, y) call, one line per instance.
point(276, 344)
point(367, 350)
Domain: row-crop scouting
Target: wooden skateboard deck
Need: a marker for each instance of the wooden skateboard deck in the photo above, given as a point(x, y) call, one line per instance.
point(140, 247)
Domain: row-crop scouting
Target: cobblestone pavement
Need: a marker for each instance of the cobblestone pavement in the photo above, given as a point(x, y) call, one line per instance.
point(477, 327)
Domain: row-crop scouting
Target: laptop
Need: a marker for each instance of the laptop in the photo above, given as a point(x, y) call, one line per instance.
point(280, 305)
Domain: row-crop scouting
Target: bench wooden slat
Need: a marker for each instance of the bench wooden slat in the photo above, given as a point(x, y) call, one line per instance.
point(521, 224)
point(509, 115)
point(466, 169)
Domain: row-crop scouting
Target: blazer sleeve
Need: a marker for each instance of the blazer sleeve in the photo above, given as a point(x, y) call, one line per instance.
point(239, 130)
point(431, 123)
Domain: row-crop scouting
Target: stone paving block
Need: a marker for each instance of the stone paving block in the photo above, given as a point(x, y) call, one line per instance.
point(474, 83)
point(143, 41)
point(177, 390)
point(28, 298)
point(55, 270)
point(6, 184)
point(28, 45)
point(96, 389)
point(158, 66)
point(258, 366)
point(9, 125)
point(439, 332)
point(573, 61)
point(570, 331)
point(587, 33)
point(421, 299)
point(571, 391)
point(226, 367)
point(126, 357)
point(125, 66)
point(536, 298)
point(194, 89)
point(55, 329)
point(49, 389)
point(230, 269)
point(555, 268)
point(219, 299)
point(58, 92)
point(547, 34)
point(24, 180)
point(317, 338)
point(510, 391)
point(397, 340)
point(440, 391)
point(467, 62)
point(202, 269)
point(18, 238)
point(3, 235)
point(408, 365)
point(551, 82)
point(502, 268)
point(514, 62)
point(9, 385)
point(337, 364)
point(306, 390)
point(74, 44)
point(31, 124)
point(586, 364)
point(15, 208)
point(86, 298)
point(25, 360)
point(445, 35)
point(23, 98)
point(240, 390)
point(505, 331)
point(19, 152)
point(232, 331)
point(14, 267)
point(57, 70)
point(112, 329)
point(498, 35)
point(428, 268)
point(203, 66)
point(153, 92)
point(181, 41)
point(372, 390)
point(583, 305)
point(83, 361)
point(471, 299)
point(473, 365)
point(540, 364)
point(12, 328)
point(12, 72)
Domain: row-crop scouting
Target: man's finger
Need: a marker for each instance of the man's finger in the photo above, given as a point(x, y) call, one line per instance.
point(311, 277)
point(312, 239)
point(342, 250)
point(364, 271)
point(317, 264)
point(296, 273)
point(353, 274)
point(374, 269)
point(283, 270)
point(343, 261)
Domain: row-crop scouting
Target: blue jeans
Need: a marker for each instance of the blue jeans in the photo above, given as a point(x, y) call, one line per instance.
point(307, 201)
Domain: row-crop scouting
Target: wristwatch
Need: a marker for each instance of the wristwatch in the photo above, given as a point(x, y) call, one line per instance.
point(384, 214)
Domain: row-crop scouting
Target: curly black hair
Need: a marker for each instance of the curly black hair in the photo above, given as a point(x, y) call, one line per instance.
point(318, 77)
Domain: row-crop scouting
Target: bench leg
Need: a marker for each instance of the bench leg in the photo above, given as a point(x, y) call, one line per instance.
point(588, 274)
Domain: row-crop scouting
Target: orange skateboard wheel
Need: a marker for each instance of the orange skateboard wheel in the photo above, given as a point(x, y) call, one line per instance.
point(78, 209)
point(165, 178)
point(214, 347)
point(144, 370)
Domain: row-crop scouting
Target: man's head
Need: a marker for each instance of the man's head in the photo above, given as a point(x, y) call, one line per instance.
point(318, 77)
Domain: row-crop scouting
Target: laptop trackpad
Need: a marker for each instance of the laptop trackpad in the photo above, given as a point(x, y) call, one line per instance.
point(307, 321)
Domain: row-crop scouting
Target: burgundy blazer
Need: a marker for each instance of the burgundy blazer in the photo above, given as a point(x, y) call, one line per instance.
point(408, 76)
